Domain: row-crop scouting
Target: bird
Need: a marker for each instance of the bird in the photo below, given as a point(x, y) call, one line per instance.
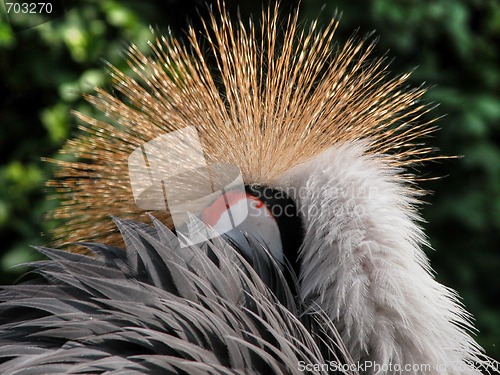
point(246, 203)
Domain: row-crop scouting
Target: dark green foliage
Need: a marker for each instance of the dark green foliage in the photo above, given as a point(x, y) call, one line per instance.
point(454, 44)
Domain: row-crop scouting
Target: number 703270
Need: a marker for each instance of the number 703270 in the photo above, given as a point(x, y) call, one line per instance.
point(37, 8)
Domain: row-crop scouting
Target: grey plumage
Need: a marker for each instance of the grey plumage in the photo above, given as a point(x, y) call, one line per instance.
point(159, 308)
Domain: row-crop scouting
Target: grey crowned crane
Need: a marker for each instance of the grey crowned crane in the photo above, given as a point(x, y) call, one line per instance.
point(311, 262)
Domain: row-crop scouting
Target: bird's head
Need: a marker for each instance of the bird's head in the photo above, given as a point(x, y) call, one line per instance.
point(260, 215)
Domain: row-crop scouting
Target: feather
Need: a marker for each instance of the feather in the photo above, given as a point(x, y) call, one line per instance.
point(376, 283)
point(165, 307)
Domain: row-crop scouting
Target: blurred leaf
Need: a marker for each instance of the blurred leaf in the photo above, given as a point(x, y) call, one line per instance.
point(4, 213)
point(7, 38)
point(56, 121)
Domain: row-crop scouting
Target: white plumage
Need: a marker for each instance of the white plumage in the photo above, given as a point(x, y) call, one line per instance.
point(363, 263)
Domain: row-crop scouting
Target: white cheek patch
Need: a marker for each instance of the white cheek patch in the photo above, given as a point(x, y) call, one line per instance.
point(224, 222)
point(259, 223)
point(232, 216)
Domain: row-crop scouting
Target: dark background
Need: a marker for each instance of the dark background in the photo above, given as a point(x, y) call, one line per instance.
point(454, 43)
